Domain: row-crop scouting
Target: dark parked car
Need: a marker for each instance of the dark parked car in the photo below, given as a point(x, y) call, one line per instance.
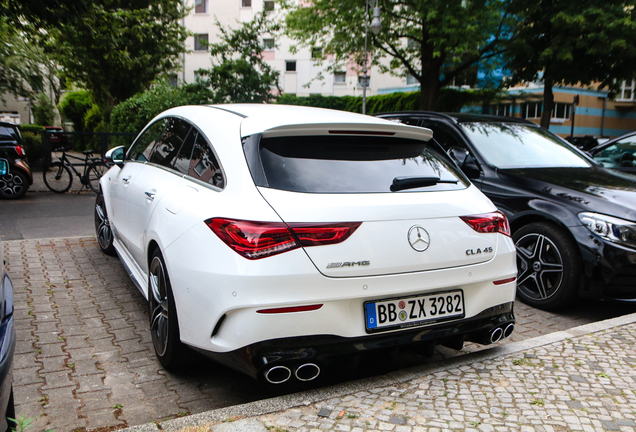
point(57, 136)
point(618, 154)
point(15, 182)
point(7, 338)
point(573, 221)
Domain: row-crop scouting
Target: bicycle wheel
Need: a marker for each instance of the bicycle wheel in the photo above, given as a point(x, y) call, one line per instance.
point(95, 172)
point(57, 177)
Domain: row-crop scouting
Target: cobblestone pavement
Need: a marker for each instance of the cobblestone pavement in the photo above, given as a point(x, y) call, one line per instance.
point(84, 358)
point(585, 383)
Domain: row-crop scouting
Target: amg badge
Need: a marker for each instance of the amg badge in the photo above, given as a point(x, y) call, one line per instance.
point(348, 264)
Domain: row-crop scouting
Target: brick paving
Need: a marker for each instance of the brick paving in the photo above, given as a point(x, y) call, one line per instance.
point(84, 358)
point(579, 384)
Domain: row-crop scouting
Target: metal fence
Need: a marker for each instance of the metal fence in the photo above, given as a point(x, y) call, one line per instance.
point(52, 140)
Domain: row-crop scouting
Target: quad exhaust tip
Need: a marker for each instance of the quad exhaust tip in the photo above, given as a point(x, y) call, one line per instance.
point(278, 374)
point(496, 335)
point(508, 330)
point(307, 372)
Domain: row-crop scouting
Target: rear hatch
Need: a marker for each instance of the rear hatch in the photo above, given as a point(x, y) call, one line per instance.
point(405, 193)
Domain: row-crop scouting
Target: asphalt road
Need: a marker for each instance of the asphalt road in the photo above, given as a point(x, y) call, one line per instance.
point(47, 215)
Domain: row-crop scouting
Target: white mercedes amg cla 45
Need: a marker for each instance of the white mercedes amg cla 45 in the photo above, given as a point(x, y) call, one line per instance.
point(274, 238)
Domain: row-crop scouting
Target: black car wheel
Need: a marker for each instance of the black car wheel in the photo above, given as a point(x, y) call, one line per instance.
point(103, 231)
point(548, 266)
point(164, 324)
point(13, 185)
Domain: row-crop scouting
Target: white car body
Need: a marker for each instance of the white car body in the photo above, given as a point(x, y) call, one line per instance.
point(218, 293)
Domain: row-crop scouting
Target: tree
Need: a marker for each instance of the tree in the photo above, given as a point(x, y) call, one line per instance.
point(238, 72)
point(114, 48)
point(19, 73)
point(572, 42)
point(435, 41)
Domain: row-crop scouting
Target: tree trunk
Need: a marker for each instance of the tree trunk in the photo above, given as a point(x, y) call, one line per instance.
point(429, 92)
point(548, 100)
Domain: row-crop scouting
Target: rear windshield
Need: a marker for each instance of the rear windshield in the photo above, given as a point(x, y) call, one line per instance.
point(349, 164)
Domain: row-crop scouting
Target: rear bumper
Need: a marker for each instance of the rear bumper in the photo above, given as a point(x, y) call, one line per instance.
point(256, 359)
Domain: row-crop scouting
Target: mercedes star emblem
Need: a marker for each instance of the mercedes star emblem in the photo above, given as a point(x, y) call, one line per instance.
point(419, 238)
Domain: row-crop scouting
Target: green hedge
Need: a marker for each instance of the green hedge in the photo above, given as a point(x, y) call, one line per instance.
point(32, 146)
point(450, 100)
point(31, 128)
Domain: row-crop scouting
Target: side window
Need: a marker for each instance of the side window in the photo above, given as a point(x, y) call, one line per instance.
point(142, 147)
point(203, 164)
point(171, 141)
point(182, 161)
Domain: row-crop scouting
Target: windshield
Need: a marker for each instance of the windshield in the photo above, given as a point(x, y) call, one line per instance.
point(354, 164)
point(507, 145)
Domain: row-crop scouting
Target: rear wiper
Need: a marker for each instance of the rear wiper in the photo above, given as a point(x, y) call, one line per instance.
point(401, 183)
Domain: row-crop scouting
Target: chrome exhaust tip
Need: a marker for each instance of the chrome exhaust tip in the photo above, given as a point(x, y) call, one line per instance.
point(278, 374)
point(509, 329)
point(496, 335)
point(307, 372)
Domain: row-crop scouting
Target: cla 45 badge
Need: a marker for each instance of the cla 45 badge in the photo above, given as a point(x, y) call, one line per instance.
point(479, 251)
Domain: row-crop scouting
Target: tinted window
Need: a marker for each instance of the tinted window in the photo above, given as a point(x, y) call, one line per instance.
point(521, 146)
point(203, 165)
point(621, 154)
point(142, 148)
point(9, 133)
point(182, 161)
point(168, 146)
point(351, 164)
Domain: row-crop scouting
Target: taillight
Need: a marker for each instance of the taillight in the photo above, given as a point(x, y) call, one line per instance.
point(20, 151)
point(255, 240)
point(489, 223)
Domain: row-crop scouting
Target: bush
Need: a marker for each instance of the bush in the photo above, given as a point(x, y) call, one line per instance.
point(31, 128)
point(33, 146)
point(133, 114)
point(75, 106)
point(43, 110)
point(450, 100)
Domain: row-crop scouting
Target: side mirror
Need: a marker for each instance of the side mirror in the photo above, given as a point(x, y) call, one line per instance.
point(116, 156)
point(459, 155)
point(465, 162)
point(4, 166)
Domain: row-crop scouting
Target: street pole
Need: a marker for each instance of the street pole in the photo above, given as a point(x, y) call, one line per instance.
point(364, 74)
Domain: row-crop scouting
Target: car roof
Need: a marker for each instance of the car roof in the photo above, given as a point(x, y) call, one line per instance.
point(459, 117)
point(276, 120)
point(4, 123)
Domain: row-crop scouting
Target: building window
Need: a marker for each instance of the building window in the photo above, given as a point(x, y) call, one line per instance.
point(173, 80)
point(561, 111)
point(531, 110)
point(411, 80)
point(339, 78)
point(627, 91)
point(500, 110)
point(200, 6)
point(246, 3)
point(201, 42)
point(361, 81)
point(290, 66)
point(316, 53)
point(268, 6)
point(269, 44)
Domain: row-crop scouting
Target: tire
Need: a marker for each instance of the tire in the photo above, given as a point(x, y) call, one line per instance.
point(164, 324)
point(548, 266)
point(103, 231)
point(13, 185)
point(95, 172)
point(57, 177)
point(10, 414)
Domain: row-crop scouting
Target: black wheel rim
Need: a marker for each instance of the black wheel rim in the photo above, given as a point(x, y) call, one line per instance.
point(11, 185)
point(540, 267)
point(102, 225)
point(158, 306)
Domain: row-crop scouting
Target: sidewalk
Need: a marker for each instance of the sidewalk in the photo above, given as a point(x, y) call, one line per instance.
point(580, 379)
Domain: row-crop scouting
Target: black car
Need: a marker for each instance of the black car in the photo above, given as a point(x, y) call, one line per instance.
point(16, 181)
point(7, 339)
point(573, 221)
point(618, 154)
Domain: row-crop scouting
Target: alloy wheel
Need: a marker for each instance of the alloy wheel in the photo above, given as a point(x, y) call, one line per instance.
point(158, 306)
point(540, 266)
point(102, 226)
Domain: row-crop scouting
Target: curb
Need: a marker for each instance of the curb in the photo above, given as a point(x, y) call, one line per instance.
point(281, 403)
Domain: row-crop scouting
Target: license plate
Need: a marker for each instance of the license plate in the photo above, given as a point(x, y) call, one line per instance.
point(413, 311)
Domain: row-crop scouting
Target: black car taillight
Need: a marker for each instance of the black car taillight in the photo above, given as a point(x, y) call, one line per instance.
point(20, 151)
point(255, 240)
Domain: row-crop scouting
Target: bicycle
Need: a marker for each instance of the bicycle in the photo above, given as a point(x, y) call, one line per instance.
point(58, 177)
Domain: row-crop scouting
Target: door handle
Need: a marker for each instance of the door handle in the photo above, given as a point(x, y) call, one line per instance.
point(125, 180)
point(149, 195)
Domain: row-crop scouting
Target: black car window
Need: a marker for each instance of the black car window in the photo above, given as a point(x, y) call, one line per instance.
point(351, 164)
point(143, 145)
point(8, 133)
point(621, 154)
point(204, 165)
point(511, 145)
point(443, 136)
point(168, 146)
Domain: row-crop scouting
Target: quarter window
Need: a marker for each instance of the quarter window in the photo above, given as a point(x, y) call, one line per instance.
point(171, 141)
point(203, 165)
